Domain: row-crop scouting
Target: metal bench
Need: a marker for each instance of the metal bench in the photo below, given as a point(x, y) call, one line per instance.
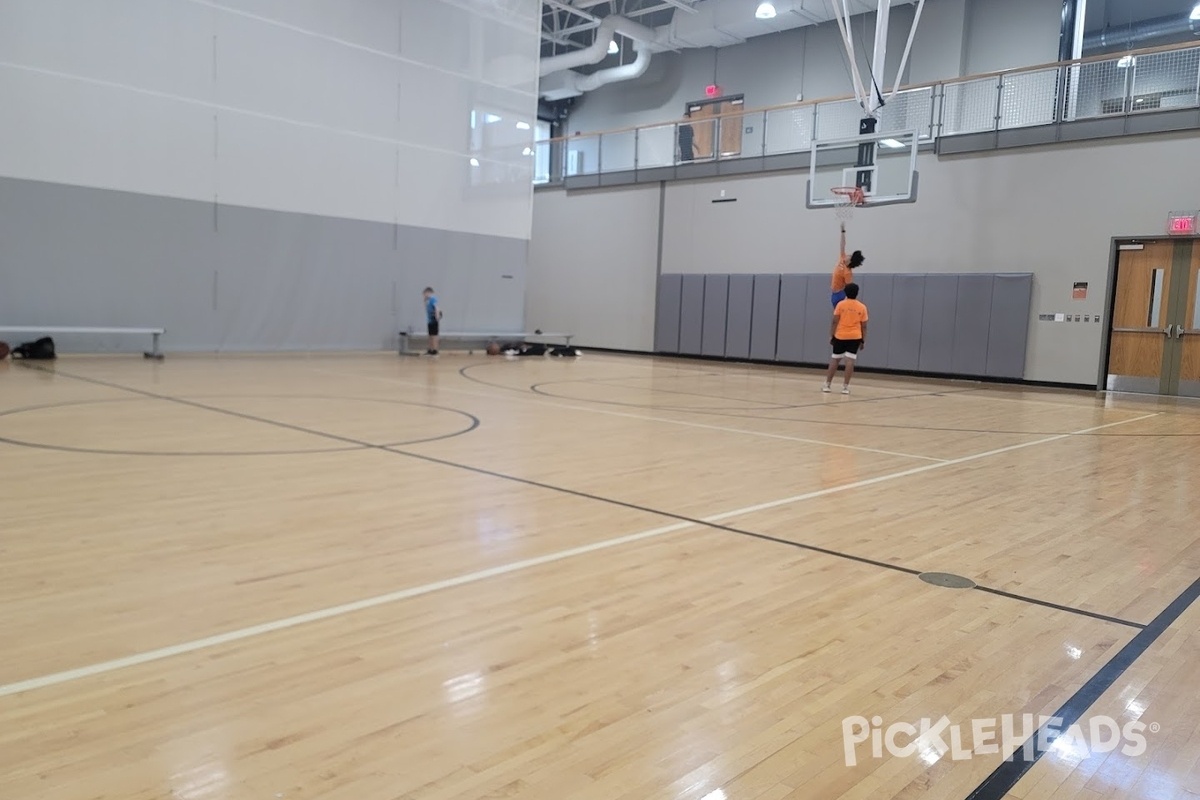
point(154, 352)
point(484, 337)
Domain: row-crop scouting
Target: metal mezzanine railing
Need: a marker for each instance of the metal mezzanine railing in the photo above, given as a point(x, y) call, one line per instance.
point(1137, 82)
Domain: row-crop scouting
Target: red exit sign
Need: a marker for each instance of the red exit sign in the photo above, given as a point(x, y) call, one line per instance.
point(1182, 224)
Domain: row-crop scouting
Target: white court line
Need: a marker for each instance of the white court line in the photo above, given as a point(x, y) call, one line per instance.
point(472, 577)
point(552, 404)
point(917, 470)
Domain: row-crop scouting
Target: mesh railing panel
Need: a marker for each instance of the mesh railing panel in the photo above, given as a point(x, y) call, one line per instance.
point(788, 130)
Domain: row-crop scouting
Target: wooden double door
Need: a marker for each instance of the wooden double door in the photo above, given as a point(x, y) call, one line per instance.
point(1155, 339)
point(707, 129)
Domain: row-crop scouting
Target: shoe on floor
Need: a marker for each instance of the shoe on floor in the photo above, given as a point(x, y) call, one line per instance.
point(826, 389)
point(845, 390)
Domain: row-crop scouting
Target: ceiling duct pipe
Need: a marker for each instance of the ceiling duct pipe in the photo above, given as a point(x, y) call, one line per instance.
point(598, 50)
point(626, 72)
point(1127, 38)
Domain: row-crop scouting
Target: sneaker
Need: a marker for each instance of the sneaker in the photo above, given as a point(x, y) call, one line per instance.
point(826, 389)
point(845, 390)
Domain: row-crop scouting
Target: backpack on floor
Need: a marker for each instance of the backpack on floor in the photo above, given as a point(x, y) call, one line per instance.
point(41, 350)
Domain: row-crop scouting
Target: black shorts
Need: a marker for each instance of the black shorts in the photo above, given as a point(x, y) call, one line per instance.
point(846, 348)
point(432, 328)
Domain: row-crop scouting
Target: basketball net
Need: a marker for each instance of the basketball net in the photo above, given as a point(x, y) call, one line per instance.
point(848, 198)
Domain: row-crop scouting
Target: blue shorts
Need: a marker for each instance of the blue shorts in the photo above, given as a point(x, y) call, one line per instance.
point(838, 297)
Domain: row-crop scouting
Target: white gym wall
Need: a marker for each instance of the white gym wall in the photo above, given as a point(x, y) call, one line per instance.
point(332, 111)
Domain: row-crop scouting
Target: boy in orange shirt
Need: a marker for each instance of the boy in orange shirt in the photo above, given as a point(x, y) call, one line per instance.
point(848, 336)
point(842, 273)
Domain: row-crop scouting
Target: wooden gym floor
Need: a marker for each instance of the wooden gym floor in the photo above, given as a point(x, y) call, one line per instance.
point(367, 577)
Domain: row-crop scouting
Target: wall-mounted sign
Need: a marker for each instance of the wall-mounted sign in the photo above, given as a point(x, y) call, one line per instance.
point(1181, 223)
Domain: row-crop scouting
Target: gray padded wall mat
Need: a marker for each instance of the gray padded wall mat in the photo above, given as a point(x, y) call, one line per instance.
point(1009, 330)
point(904, 332)
point(737, 321)
point(716, 298)
point(972, 318)
point(877, 295)
point(666, 314)
point(691, 315)
point(818, 316)
point(764, 317)
point(793, 293)
point(967, 324)
point(937, 323)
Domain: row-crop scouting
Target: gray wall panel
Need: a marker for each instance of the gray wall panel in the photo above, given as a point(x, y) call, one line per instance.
point(234, 278)
point(269, 266)
point(818, 315)
point(793, 296)
point(666, 314)
point(716, 306)
point(877, 296)
point(765, 317)
point(1009, 330)
point(737, 323)
point(691, 315)
point(87, 257)
point(972, 318)
point(904, 333)
point(937, 324)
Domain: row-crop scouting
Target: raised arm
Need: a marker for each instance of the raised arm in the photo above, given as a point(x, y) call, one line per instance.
point(842, 251)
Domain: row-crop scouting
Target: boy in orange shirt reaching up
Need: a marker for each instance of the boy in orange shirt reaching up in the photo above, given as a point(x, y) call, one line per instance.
point(843, 272)
point(848, 336)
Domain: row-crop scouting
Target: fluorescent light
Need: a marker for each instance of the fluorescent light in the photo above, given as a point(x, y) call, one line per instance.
point(1195, 15)
point(474, 162)
point(894, 144)
point(1126, 62)
point(613, 48)
point(527, 152)
point(490, 118)
point(765, 11)
point(522, 126)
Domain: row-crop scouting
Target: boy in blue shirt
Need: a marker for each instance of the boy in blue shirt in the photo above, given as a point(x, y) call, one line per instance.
point(433, 316)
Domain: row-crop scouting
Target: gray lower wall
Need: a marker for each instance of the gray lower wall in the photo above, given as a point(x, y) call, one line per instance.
point(232, 278)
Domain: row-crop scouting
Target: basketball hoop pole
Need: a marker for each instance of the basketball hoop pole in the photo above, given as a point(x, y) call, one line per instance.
point(912, 34)
point(879, 62)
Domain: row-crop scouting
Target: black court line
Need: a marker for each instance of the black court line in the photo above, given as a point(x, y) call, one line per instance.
point(1008, 774)
point(1060, 607)
point(573, 492)
point(714, 411)
point(472, 425)
point(842, 423)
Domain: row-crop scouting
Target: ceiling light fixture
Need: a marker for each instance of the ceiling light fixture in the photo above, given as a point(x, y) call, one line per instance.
point(522, 126)
point(1195, 15)
point(894, 144)
point(613, 48)
point(765, 11)
point(474, 162)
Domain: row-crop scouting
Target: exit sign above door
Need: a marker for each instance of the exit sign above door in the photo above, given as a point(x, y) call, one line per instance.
point(1182, 223)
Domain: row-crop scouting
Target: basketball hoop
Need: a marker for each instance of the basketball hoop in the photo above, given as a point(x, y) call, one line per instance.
point(848, 197)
